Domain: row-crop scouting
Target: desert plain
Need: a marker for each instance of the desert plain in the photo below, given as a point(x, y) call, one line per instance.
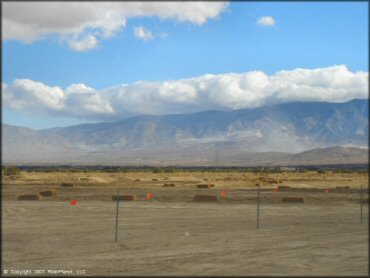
point(72, 231)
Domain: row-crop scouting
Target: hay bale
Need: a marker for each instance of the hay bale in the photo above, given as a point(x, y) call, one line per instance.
point(137, 180)
point(124, 198)
point(67, 184)
point(205, 198)
point(50, 192)
point(283, 188)
point(294, 200)
point(169, 185)
point(203, 185)
point(211, 185)
point(342, 187)
point(29, 197)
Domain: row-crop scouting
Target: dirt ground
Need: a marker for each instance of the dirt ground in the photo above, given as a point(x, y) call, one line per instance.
point(172, 235)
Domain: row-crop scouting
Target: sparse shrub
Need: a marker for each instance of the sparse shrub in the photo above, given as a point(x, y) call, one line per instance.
point(10, 171)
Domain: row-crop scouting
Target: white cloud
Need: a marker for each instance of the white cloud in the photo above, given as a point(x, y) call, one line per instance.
point(266, 21)
point(224, 91)
point(85, 43)
point(143, 34)
point(28, 22)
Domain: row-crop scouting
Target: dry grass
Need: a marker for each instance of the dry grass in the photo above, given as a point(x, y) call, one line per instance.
point(294, 199)
point(29, 197)
point(205, 198)
point(310, 179)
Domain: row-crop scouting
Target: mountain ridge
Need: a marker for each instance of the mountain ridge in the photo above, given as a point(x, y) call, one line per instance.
point(292, 127)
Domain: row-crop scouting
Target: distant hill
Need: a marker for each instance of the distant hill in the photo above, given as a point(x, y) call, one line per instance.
point(290, 133)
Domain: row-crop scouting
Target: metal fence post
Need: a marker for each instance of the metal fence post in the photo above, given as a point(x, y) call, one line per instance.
point(116, 235)
point(361, 205)
point(258, 206)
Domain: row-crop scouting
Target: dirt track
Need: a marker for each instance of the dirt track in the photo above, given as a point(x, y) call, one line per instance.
point(161, 238)
point(172, 235)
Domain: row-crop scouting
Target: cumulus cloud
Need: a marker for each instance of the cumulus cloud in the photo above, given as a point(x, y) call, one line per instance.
point(28, 22)
point(266, 21)
point(85, 43)
point(221, 92)
point(143, 34)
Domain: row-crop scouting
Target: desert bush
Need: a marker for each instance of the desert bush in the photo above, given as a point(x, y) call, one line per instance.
point(10, 170)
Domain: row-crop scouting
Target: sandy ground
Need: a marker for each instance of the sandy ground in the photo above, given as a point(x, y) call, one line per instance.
point(161, 238)
point(172, 235)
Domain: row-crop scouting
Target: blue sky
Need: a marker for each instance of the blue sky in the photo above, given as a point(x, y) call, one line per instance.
point(306, 35)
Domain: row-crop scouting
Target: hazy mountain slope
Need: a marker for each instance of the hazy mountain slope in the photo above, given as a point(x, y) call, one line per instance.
point(291, 127)
point(24, 144)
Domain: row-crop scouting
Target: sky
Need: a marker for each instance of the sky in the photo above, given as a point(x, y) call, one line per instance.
point(68, 63)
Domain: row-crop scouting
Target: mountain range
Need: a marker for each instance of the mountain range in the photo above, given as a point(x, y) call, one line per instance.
point(282, 134)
